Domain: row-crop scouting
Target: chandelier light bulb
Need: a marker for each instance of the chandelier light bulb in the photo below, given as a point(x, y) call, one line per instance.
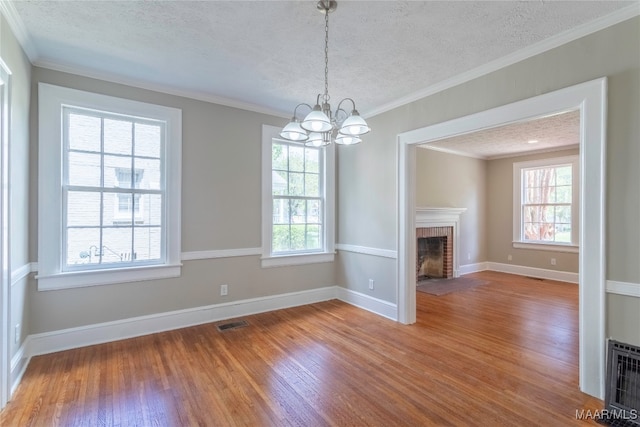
point(294, 132)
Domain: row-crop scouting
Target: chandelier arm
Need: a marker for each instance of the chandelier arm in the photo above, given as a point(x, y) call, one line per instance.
point(347, 99)
point(295, 110)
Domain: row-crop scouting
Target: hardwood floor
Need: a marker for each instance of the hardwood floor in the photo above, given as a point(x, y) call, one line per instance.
point(504, 353)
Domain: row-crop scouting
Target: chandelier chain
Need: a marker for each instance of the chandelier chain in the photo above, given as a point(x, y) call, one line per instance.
point(326, 57)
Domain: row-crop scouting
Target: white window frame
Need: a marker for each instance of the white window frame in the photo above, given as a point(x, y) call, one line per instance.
point(327, 254)
point(51, 276)
point(518, 241)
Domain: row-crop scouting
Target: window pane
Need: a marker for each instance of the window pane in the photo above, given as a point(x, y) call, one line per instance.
point(313, 211)
point(148, 140)
point(84, 169)
point(296, 184)
point(117, 136)
point(147, 243)
point(83, 208)
point(148, 173)
point(298, 211)
point(117, 172)
point(312, 188)
point(149, 209)
point(563, 175)
point(281, 211)
point(279, 156)
point(312, 160)
point(296, 159)
point(116, 245)
point(313, 237)
point(279, 183)
point(82, 246)
point(563, 233)
point(84, 132)
point(281, 238)
point(563, 194)
point(298, 237)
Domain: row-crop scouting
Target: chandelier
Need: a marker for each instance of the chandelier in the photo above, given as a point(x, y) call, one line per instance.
point(320, 126)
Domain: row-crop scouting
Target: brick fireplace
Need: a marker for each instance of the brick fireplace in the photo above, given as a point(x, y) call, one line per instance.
point(434, 252)
point(437, 247)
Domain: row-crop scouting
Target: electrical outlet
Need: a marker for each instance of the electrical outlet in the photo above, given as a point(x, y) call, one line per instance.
point(224, 290)
point(17, 333)
point(371, 282)
point(509, 257)
point(553, 261)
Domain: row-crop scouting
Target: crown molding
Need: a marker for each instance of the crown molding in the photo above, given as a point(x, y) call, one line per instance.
point(450, 151)
point(520, 55)
point(19, 30)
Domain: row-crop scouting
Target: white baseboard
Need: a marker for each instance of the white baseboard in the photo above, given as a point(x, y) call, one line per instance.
point(19, 363)
point(369, 303)
point(66, 339)
point(562, 276)
point(472, 268)
point(623, 288)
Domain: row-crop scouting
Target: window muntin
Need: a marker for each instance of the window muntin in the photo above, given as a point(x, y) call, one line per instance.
point(105, 220)
point(297, 198)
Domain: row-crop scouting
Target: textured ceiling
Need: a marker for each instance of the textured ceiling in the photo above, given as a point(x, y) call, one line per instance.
point(557, 132)
point(268, 55)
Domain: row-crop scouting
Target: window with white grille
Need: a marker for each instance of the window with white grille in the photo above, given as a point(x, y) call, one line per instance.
point(112, 172)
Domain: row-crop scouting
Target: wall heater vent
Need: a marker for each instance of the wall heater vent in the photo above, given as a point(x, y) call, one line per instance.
point(622, 398)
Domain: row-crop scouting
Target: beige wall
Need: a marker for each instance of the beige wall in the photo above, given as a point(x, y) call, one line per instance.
point(500, 219)
point(220, 210)
point(20, 68)
point(613, 52)
point(451, 181)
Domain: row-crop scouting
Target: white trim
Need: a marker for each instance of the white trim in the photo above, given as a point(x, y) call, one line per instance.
point(65, 339)
point(81, 279)
point(623, 288)
point(532, 152)
point(19, 363)
point(591, 99)
point(220, 253)
point(542, 273)
point(20, 273)
point(572, 249)
point(384, 253)
point(452, 151)
point(19, 30)
point(367, 302)
point(301, 259)
point(537, 48)
point(473, 268)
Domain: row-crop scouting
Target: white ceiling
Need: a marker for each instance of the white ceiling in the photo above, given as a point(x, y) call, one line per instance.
point(268, 55)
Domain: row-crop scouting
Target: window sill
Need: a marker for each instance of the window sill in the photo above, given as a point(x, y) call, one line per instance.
point(77, 279)
point(285, 260)
point(553, 247)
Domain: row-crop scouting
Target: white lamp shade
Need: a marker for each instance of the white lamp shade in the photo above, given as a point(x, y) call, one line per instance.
point(354, 125)
point(293, 132)
point(316, 121)
point(347, 139)
point(317, 139)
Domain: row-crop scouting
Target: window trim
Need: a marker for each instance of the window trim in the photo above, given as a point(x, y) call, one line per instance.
point(327, 254)
point(51, 276)
point(518, 242)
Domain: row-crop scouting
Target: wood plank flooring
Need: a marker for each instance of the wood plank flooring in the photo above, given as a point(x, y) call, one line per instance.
point(501, 354)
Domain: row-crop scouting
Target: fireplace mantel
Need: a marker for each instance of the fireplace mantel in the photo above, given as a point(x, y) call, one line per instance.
point(443, 217)
point(437, 215)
